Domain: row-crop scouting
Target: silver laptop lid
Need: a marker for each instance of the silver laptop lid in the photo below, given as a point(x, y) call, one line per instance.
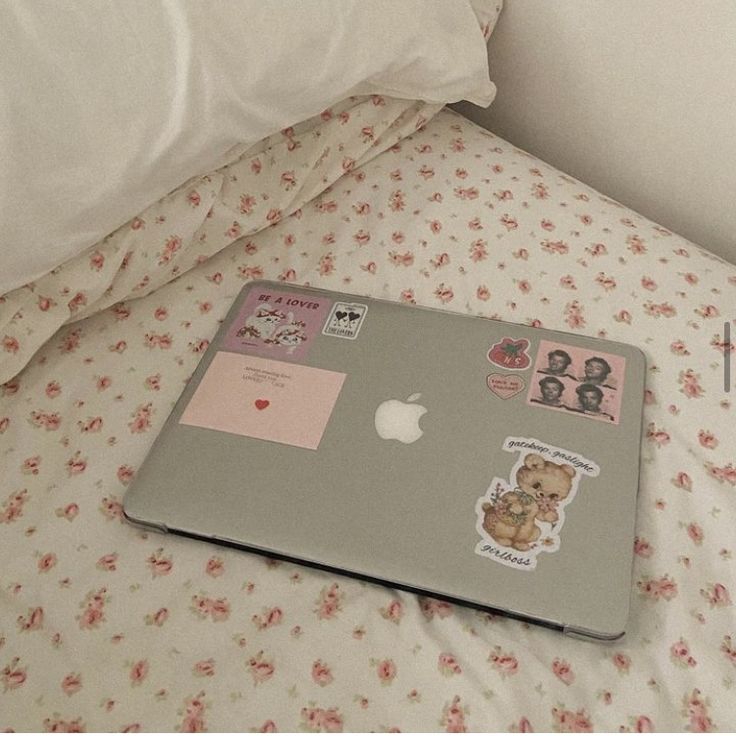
point(480, 461)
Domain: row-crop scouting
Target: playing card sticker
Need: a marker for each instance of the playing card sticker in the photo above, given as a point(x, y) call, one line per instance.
point(511, 354)
point(277, 324)
point(345, 320)
point(520, 517)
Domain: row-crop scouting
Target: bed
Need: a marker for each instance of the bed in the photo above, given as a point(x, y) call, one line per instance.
point(105, 627)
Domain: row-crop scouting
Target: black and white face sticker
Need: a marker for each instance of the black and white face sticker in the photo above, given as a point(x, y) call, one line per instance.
point(345, 320)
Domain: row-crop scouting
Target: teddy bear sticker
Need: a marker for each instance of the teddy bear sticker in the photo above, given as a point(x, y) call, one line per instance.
point(518, 519)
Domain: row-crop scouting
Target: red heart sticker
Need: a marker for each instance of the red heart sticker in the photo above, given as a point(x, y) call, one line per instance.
point(261, 404)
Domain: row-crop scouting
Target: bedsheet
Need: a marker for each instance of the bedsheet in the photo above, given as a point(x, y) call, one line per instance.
point(106, 627)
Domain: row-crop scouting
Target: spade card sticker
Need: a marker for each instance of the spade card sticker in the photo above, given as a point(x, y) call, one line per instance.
point(345, 320)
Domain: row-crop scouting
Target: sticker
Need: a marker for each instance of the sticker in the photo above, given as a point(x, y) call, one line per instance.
point(511, 354)
point(276, 324)
point(345, 320)
point(578, 381)
point(505, 385)
point(264, 399)
point(520, 517)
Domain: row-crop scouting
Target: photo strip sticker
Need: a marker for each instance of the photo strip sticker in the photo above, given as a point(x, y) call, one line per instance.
point(520, 517)
point(579, 381)
point(277, 325)
point(345, 320)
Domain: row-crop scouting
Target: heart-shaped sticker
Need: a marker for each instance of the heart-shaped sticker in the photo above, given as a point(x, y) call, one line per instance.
point(261, 404)
point(505, 386)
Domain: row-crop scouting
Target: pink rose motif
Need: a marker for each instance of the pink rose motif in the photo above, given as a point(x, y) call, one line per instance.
point(707, 439)
point(717, 595)
point(707, 310)
point(695, 533)
point(31, 465)
point(680, 654)
point(159, 564)
point(261, 669)
point(431, 607)
point(204, 668)
point(13, 676)
point(622, 662)
point(112, 508)
point(268, 727)
point(683, 480)
point(503, 662)
point(47, 562)
point(386, 671)
point(642, 548)
point(321, 673)
point(4, 422)
point(193, 721)
point(448, 665)
point(159, 618)
point(563, 671)
point(76, 464)
point(654, 589)
point(71, 684)
point(57, 725)
point(696, 710)
point(10, 344)
point(567, 721)
point(657, 436)
point(483, 293)
point(727, 473)
point(644, 725)
point(125, 474)
point(510, 223)
point(555, 246)
point(69, 512)
point(330, 602)
point(393, 611)
point(453, 717)
point(108, 562)
point(270, 617)
point(215, 567)
point(93, 424)
point(728, 648)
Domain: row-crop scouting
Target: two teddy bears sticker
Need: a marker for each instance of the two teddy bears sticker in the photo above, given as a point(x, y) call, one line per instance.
point(519, 518)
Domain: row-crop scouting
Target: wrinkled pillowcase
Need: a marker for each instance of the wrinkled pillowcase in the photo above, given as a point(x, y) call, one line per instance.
point(106, 107)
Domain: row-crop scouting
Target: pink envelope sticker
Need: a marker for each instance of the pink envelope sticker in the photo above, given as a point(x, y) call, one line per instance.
point(277, 324)
point(265, 399)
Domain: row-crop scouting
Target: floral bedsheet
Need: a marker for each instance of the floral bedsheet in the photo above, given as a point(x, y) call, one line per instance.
point(105, 627)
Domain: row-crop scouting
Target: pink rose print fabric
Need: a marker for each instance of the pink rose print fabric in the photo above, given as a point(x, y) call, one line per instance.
point(106, 627)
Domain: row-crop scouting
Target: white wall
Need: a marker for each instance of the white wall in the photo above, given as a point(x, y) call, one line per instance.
point(637, 98)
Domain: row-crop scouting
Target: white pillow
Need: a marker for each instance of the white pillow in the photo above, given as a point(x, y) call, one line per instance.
point(107, 106)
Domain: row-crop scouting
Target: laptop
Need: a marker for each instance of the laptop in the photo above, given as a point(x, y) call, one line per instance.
point(486, 463)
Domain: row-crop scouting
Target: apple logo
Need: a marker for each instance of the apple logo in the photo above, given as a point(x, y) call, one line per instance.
point(396, 420)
